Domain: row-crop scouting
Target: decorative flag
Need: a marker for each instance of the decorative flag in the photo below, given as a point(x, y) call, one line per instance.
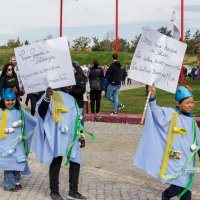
point(175, 30)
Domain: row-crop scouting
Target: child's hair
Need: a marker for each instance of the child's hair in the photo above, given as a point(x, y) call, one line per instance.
point(3, 107)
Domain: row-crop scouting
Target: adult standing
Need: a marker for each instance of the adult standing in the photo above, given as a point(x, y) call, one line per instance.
point(13, 62)
point(34, 98)
point(78, 90)
point(8, 79)
point(115, 76)
point(124, 75)
point(96, 86)
point(128, 79)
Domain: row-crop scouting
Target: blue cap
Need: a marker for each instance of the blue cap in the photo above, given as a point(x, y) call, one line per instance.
point(182, 92)
point(8, 93)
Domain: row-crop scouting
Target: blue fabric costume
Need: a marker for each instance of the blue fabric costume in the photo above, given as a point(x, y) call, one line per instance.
point(150, 152)
point(12, 153)
point(53, 139)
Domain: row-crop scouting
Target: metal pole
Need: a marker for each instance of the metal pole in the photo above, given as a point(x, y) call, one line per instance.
point(182, 39)
point(116, 29)
point(61, 13)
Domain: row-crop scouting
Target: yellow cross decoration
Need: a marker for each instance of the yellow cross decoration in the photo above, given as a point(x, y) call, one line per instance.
point(173, 130)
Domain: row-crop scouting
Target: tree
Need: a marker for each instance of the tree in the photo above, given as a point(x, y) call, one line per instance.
point(123, 45)
point(108, 43)
point(12, 43)
point(187, 36)
point(96, 46)
point(26, 42)
point(134, 43)
point(81, 43)
point(164, 31)
point(190, 42)
point(196, 38)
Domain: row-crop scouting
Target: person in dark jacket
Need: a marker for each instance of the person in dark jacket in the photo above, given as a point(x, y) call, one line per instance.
point(115, 76)
point(79, 89)
point(34, 98)
point(96, 86)
point(9, 79)
point(124, 75)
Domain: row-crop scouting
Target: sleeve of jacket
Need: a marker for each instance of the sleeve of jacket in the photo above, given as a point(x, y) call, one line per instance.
point(79, 88)
point(1, 85)
point(110, 70)
point(42, 109)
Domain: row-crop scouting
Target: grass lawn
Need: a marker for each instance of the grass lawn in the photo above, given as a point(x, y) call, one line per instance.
point(88, 57)
point(134, 100)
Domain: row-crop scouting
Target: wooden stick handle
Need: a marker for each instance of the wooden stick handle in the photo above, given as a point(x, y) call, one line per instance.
point(145, 109)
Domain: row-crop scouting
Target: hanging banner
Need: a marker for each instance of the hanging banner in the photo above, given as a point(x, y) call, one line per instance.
point(157, 59)
point(45, 64)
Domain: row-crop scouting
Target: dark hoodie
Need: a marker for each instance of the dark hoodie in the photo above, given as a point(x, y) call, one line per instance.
point(114, 73)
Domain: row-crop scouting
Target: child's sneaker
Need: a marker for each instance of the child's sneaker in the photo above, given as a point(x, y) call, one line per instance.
point(56, 196)
point(75, 195)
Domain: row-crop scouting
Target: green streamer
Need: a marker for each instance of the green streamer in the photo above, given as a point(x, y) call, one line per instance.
point(76, 128)
point(188, 185)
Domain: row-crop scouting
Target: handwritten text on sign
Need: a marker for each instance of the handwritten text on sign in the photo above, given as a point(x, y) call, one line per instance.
point(157, 59)
point(45, 64)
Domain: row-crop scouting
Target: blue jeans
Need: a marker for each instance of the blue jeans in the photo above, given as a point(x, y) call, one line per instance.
point(112, 95)
point(11, 178)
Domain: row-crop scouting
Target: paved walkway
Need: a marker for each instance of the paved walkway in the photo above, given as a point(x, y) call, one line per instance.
point(107, 172)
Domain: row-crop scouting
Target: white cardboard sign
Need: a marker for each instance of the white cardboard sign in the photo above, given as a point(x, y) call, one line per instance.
point(157, 59)
point(45, 64)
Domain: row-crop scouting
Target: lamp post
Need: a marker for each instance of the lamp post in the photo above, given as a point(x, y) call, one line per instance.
point(116, 29)
point(182, 39)
point(61, 13)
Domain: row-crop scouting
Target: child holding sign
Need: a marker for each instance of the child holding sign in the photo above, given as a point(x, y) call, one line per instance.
point(57, 135)
point(169, 144)
point(15, 137)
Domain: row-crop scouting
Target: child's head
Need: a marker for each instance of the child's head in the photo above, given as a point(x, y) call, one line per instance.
point(185, 99)
point(9, 99)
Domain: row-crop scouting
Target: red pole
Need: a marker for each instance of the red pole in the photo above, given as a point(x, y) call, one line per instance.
point(182, 39)
point(61, 11)
point(116, 29)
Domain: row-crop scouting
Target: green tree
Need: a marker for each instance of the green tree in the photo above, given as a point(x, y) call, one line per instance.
point(164, 31)
point(196, 38)
point(134, 43)
point(108, 43)
point(123, 45)
point(96, 44)
point(187, 36)
point(81, 43)
point(12, 43)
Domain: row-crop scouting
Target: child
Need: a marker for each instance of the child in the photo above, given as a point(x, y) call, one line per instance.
point(16, 130)
point(57, 136)
point(169, 144)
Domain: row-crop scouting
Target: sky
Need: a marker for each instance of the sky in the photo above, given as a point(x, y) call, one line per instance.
point(33, 20)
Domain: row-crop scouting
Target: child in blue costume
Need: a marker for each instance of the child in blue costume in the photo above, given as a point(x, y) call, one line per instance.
point(56, 136)
point(169, 144)
point(16, 131)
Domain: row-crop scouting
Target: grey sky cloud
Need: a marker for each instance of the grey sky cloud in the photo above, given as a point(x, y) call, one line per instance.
point(22, 17)
point(190, 8)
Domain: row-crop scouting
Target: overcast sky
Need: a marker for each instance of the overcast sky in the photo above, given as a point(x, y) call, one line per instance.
point(34, 19)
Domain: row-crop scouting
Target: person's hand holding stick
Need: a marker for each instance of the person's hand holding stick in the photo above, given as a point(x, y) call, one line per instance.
point(151, 94)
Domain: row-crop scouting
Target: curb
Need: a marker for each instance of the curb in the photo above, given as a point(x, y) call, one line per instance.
point(120, 118)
